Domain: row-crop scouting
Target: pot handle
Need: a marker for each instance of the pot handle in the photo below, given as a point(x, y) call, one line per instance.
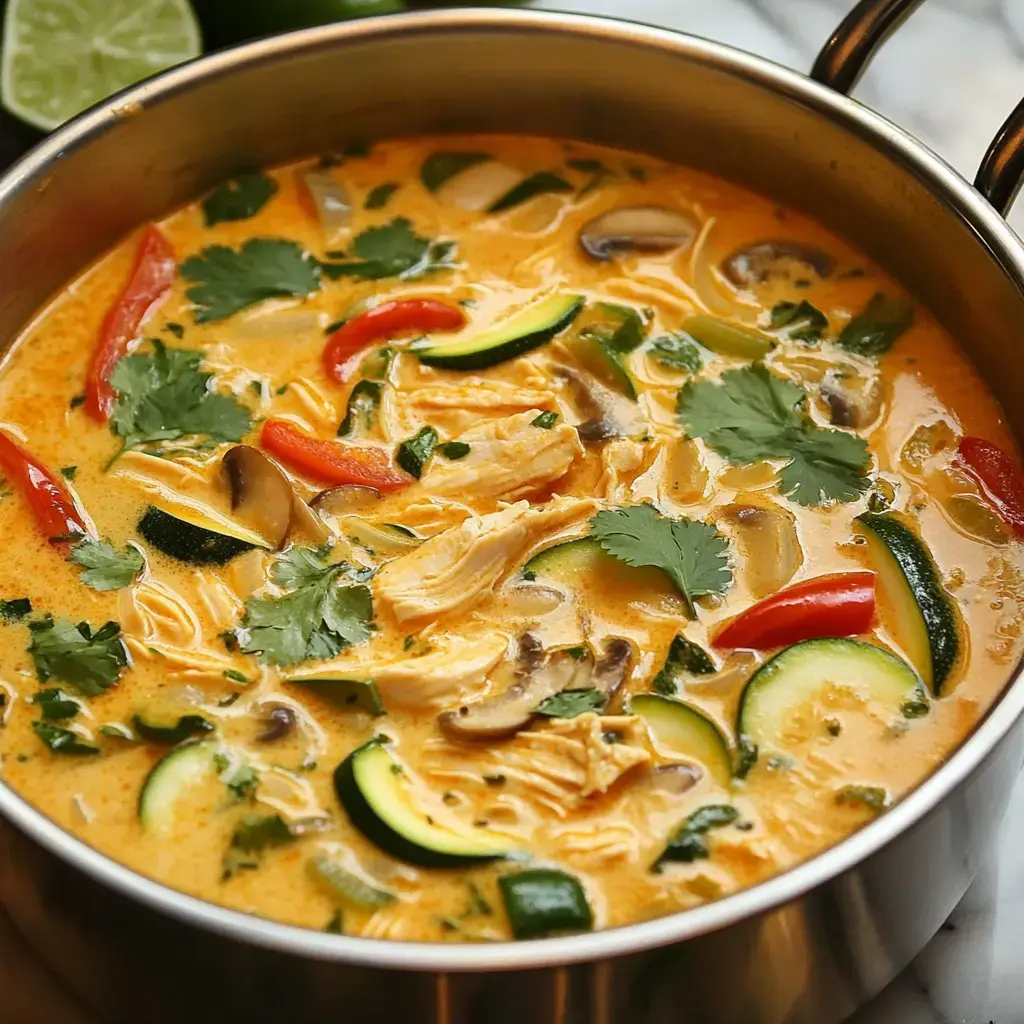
point(1001, 173)
point(845, 57)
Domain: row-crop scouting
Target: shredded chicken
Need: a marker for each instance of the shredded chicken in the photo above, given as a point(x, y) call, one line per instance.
point(451, 572)
point(507, 458)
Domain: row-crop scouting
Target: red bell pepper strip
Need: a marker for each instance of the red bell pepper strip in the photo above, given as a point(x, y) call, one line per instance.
point(346, 345)
point(1000, 478)
point(147, 286)
point(331, 461)
point(837, 605)
point(54, 509)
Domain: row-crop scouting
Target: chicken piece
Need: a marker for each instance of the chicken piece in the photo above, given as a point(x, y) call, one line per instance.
point(507, 458)
point(553, 767)
point(452, 571)
point(453, 668)
point(621, 460)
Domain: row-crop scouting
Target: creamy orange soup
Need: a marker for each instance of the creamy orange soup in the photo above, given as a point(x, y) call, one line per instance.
point(353, 679)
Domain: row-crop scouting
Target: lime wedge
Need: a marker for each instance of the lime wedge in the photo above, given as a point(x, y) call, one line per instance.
point(61, 56)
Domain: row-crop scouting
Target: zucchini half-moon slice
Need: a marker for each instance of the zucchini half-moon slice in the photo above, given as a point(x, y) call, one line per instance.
point(375, 792)
point(679, 728)
point(198, 536)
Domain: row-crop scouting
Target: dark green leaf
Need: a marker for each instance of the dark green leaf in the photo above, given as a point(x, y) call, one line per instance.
point(439, 167)
point(684, 658)
point(546, 420)
point(238, 199)
point(68, 472)
point(677, 351)
point(454, 450)
point(243, 782)
point(105, 569)
point(751, 415)
point(55, 705)
point(90, 662)
point(176, 329)
point(63, 741)
point(336, 925)
point(688, 843)
point(414, 453)
point(361, 410)
point(380, 195)
point(393, 250)
point(322, 613)
point(917, 707)
point(799, 320)
point(15, 609)
point(693, 555)
point(572, 703)
point(259, 831)
point(228, 280)
point(165, 394)
point(875, 330)
point(235, 676)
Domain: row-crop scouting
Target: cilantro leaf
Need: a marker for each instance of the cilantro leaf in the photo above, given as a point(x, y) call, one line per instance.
point(228, 280)
point(90, 662)
point(105, 569)
point(239, 199)
point(874, 330)
point(415, 452)
point(393, 250)
point(323, 612)
point(799, 320)
point(692, 554)
point(751, 415)
point(545, 420)
point(688, 844)
point(677, 351)
point(165, 394)
point(572, 703)
point(684, 658)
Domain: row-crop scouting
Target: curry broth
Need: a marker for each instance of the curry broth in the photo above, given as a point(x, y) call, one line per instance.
point(174, 616)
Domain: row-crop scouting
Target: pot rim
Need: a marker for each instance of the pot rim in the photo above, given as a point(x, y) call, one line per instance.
point(941, 179)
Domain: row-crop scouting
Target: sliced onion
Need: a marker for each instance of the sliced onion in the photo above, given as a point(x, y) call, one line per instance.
point(702, 275)
point(758, 263)
point(331, 201)
point(480, 186)
point(278, 323)
point(769, 543)
point(637, 229)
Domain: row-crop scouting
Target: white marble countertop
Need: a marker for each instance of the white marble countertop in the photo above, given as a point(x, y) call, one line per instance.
point(950, 77)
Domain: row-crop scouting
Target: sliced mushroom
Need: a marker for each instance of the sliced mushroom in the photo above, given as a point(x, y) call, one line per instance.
point(598, 404)
point(854, 400)
point(280, 722)
point(343, 500)
point(676, 778)
point(637, 229)
point(539, 675)
point(759, 263)
point(260, 492)
point(769, 543)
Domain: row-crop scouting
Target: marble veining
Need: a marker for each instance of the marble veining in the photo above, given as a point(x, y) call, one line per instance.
point(950, 77)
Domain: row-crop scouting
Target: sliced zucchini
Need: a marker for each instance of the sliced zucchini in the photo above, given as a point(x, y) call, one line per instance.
point(921, 615)
point(519, 333)
point(806, 675)
point(341, 690)
point(176, 773)
point(441, 167)
point(727, 339)
point(197, 536)
point(374, 790)
point(572, 561)
point(386, 539)
point(343, 883)
point(543, 901)
point(603, 344)
point(684, 658)
point(362, 409)
point(680, 729)
point(537, 184)
point(154, 729)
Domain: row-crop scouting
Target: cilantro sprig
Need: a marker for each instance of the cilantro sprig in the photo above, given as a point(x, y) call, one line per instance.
point(692, 554)
point(324, 610)
point(393, 250)
point(106, 568)
point(89, 661)
point(751, 415)
point(165, 394)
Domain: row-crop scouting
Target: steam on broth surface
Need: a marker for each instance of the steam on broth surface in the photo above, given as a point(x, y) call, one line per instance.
point(483, 538)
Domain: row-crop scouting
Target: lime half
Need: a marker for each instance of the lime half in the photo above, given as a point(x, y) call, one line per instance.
point(61, 56)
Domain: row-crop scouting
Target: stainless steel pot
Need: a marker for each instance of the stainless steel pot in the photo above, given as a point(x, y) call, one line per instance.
point(806, 947)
